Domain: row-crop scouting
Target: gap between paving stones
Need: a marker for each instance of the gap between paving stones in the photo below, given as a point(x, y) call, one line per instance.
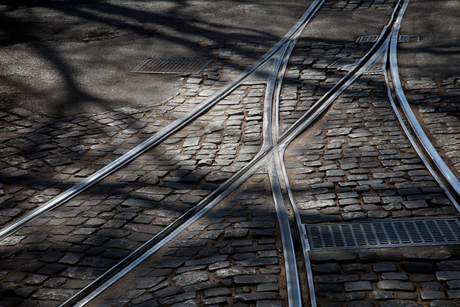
point(109, 135)
point(356, 163)
point(308, 76)
point(418, 276)
point(231, 269)
point(123, 228)
point(436, 106)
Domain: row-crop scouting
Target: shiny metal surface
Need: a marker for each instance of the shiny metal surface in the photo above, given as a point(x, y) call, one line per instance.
point(384, 234)
point(415, 125)
point(127, 264)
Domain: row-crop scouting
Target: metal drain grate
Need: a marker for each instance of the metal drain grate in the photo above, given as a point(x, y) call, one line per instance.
point(384, 234)
point(156, 66)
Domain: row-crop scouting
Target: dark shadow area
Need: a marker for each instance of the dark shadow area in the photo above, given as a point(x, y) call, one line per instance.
point(74, 56)
point(437, 55)
point(104, 212)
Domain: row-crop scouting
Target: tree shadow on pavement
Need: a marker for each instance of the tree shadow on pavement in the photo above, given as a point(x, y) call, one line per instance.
point(67, 55)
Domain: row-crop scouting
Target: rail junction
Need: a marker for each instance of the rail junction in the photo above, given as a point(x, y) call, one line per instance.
point(311, 171)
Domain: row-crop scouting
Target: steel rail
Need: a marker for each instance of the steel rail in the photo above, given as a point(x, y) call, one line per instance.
point(149, 248)
point(274, 172)
point(157, 138)
point(282, 72)
point(391, 62)
point(123, 267)
point(271, 112)
point(262, 158)
point(290, 263)
point(300, 229)
point(307, 119)
point(282, 148)
point(335, 91)
point(167, 234)
point(272, 81)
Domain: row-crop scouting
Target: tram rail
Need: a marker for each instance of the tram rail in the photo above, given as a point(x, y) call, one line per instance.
point(271, 155)
point(269, 149)
point(157, 138)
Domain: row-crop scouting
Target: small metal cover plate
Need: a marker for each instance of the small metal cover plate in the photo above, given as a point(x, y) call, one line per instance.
point(162, 66)
point(367, 39)
point(376, 67)
point(379, 234)
point(408, 39)
point(346, 65)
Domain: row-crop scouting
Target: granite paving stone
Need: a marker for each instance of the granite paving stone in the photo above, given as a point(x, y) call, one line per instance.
point(356, 165)
point(390, 287)
point(208, 275)
point(432, 295)
point(190, 278)
point(150, 187)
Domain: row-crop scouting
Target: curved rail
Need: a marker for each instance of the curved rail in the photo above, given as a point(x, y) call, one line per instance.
point(322, 104)
point(267, 156)
point(416, 127)
point(271, 155)
point(325, 101)
point(298, 223)
point(159, 137)
point(279, 51)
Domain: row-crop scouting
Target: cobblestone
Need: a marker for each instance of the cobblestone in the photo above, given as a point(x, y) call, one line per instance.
point(437, 106)
point(357, 165)
point(130, 212)
point(350, 182)
point(214, 279)
point(389, 288)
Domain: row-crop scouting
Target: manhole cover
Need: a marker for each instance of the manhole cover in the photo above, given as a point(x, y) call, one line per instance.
point(157, 66)
point(378, 234)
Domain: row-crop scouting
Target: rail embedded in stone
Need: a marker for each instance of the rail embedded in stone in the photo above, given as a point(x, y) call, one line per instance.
point(316, 110)
point(159, 137)
point(446, 173)
point(123, 267)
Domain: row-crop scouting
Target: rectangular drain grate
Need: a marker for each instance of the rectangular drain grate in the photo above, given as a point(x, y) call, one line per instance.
point(378, 234)
point(157, 66)
point(367, 39)
point(401, 39)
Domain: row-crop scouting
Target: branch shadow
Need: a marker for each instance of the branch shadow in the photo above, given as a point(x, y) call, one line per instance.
point(23, 32)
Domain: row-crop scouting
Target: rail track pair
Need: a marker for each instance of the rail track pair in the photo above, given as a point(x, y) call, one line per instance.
point(271, 155)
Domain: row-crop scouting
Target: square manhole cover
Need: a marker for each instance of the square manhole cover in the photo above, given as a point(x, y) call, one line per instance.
point(162, 66)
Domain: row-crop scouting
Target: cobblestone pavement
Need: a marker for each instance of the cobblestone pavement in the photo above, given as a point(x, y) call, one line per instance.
point(129, 207)
point(312, 74)
point(230, 256)
point(397, 277)
point(357, 163)
point(437, 105)
point(354, 163)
